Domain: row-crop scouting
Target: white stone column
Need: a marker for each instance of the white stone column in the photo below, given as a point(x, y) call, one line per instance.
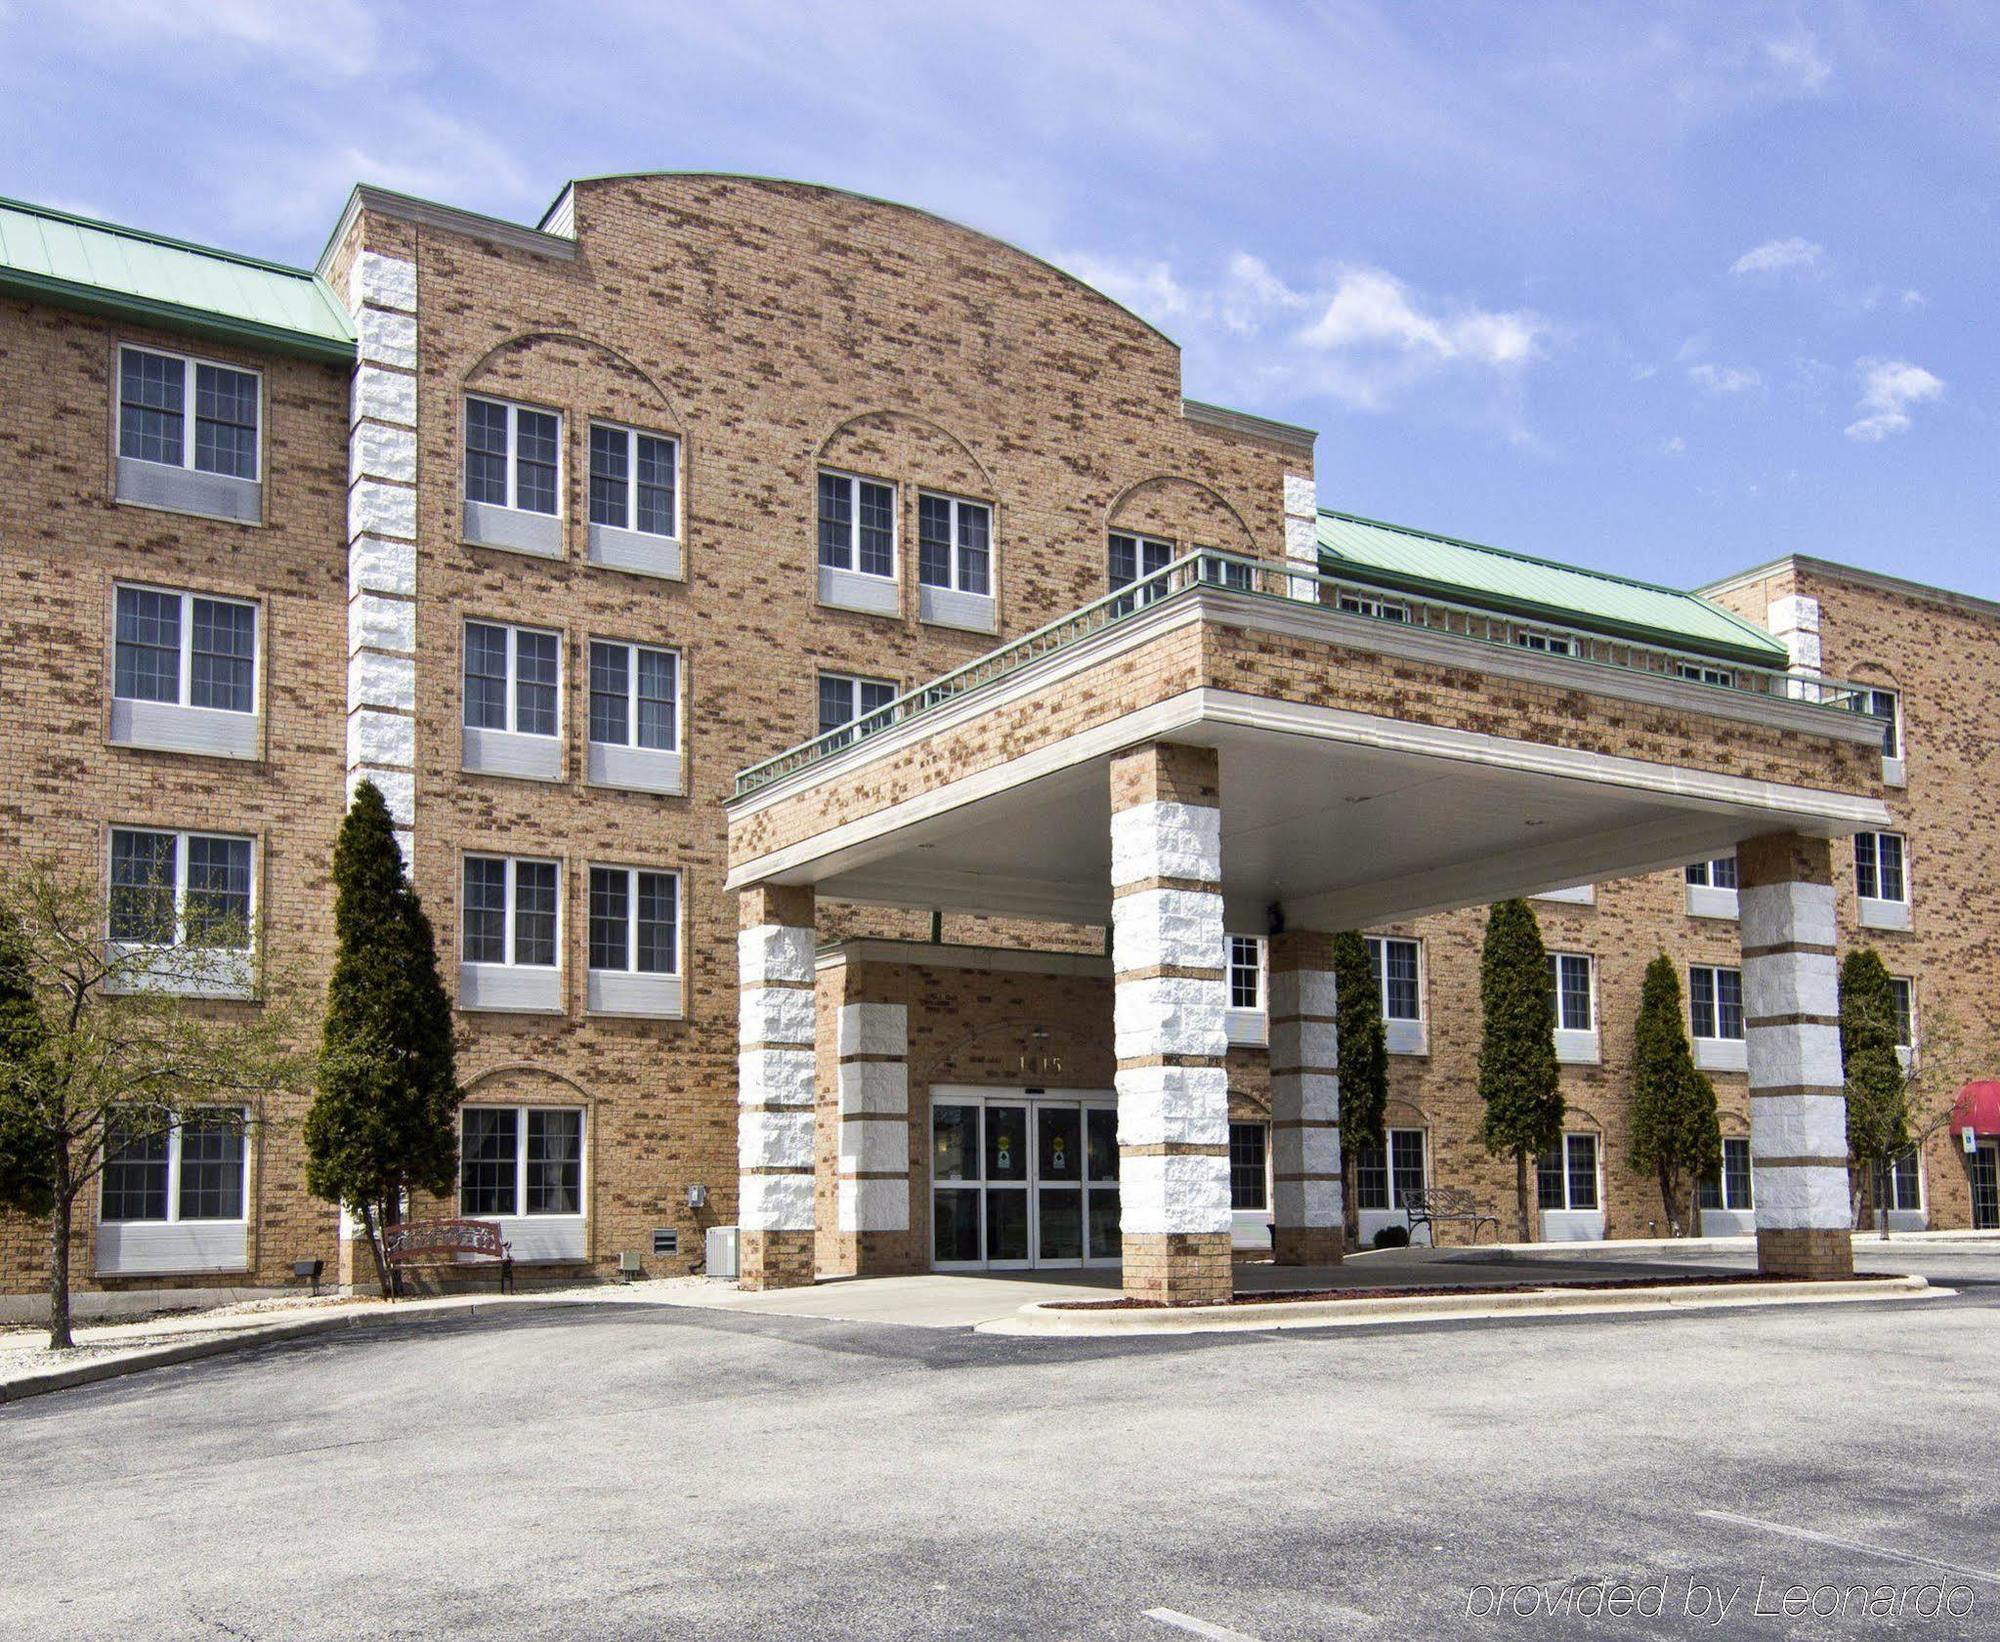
point(1170, 1003)
point(775, 1087)
point(1302, 532)
point(1307, 1225)
point(1791, 1010)
point(382, 536)
point(872, 1093)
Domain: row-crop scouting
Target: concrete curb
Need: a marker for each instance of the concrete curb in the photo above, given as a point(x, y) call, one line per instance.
point(1042, 1318)
point(221, 1343)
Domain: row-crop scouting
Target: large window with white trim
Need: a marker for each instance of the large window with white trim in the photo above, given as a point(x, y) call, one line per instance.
point(1879, 866)
point(1383, 1173)
point(174, 890)
point(1246, 972)
point(185, 650)
point(1715, 1001)
point(1903, 990)
point(513, 455)
point(857, 525)
point(1574, 977)
point(1887, 706)
point(845, 699)
point(1398, 971)
point(1361, 604)
point(954, 544)
point(634, 696)
point(1906, 1183)
point(1132, 557)
point(1249, 1167)
point(634, 921)
point(1719, 873)
point(520, 1160)
point(166, 1172)
point(1548, 644)
point(634, 480)
point(511, 912)
point(187, 413)
point(513, 679)
point(1729, 1186)
point(1566, 1176)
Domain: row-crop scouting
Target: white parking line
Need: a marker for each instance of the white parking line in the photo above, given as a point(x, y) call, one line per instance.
point(1852, 1545)
point(1199, 1627)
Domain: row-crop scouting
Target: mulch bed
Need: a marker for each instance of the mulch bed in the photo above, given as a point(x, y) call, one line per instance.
point(1289, 1296)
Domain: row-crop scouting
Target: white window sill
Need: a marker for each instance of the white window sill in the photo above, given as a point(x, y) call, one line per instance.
point(508, 752)
point(637, 769)
point(1722, 1054)
point(1728, 1222)
point(1894, 773)
point(188, 490)
point(515, 530)
point(1883, 914)
point(1577, 1049)
point(148, 1248)
point(626, 992)
point(1572, 1225)
point(943, 607)
point(638, 551)
point(1579, 895)
point(1704, 901)
point(170, 728)
point(1250, 1229)
point(1407, 1037)
point(520, 989)
point(1247, 1026)
point(543, 1238)
point(184, 975)
point(850, 590)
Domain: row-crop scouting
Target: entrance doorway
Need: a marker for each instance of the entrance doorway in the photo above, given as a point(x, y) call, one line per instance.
point(1985, 1166)
point(1023, 1179)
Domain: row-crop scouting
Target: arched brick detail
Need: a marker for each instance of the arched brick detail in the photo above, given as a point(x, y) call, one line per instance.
point(1185, 511)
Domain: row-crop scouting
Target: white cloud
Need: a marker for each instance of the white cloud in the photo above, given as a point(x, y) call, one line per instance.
point(328, 38)
point(1673, 446)
point(1778, 256)
point(1798, 58)
point(1724, 379)
point(1914, 299)
point(1889, 387)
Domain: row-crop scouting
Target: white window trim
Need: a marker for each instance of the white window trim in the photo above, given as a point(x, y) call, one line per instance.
point(626, 764)
point(953, 583)
point(173, 1215)
point(1577, 1046)
point(1362, 604)
point(507, 935)
point(1716, 1054)
point(657, 994)
point(188, 363)
point(509, 750)
point(1247, 1024)
point(1701, 672)
point(1142, 541)
point(229, 971)
point(1544, 642)
point(632, 437)
point(854, 681)
point(1738, 1213)
point(632, 647)
point(1597, 1162)
point(1403, 1035)
point(521, 1171)
point(513, 408)
point(853, 565)
point(1714, 989)
point(1903, 839)
point(1394, 1212)
point(187, 596)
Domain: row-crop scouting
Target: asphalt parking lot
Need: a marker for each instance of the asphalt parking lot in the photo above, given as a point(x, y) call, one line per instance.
point(605, 1471)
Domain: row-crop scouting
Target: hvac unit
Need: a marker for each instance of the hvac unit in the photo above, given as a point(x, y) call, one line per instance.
point(722, 1252)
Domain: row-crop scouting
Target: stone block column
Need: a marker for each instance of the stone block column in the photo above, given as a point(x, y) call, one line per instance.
point(1791, 1018)
point(1306, 1221)
point(872, 1086)
point(774, 1086)
point(1170, 1003)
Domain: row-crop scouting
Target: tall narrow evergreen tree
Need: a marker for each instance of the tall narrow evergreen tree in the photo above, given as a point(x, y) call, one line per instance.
point(382, 1120)
point(1676, 1134)
point(27, 1163)
point(1518, 1077)
point(1878, 1104)
point(1362, 1047)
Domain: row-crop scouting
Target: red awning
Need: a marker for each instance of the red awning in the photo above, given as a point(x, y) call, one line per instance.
point(1977, 1108)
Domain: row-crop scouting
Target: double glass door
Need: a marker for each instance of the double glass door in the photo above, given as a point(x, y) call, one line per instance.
point(1985, 1168)
point(1021, 1182)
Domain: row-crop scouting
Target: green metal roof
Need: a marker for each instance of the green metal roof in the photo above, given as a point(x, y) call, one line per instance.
point(76, 262)
point(1442, 567)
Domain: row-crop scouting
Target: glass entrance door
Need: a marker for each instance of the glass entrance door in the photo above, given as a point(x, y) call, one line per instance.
point(1023, 1181)
point(1986, 1187)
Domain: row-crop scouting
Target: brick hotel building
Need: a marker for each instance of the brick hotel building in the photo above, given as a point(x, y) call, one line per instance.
point(722, 581)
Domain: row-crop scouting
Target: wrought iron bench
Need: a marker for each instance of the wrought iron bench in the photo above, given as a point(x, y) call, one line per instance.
point(445, 1244)
point(1430, 1205)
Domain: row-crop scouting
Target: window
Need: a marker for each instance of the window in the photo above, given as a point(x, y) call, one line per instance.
point(170, 887)
point(1566, 1177)
point(512, 456)
point(857, 525)
point(1715, 1001)
point(510, 913)
point(1133, 557)
point(1886, 705)
point(1878, 866)
point(162, 1171)
point(516, 1160)
point(1551, 644)
point(844, 699)
point(512, 679)
point(634, 696)
point(185, 413)
point(1906, 1019)
point(1702, 674)
point(1571, 974)
point(1395, 963)
point(1356, 604)
point(954, 545)
point(1906, 1190)
point(185, 650)
point(1717, 874)
point(1729, 1187)
point(1382, 1174)
point(1247, 1146)
point(634, 920)
point(1246, 972)
point(634, 481)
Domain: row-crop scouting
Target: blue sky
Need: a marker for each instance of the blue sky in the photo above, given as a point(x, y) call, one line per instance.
point(1667, 290)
